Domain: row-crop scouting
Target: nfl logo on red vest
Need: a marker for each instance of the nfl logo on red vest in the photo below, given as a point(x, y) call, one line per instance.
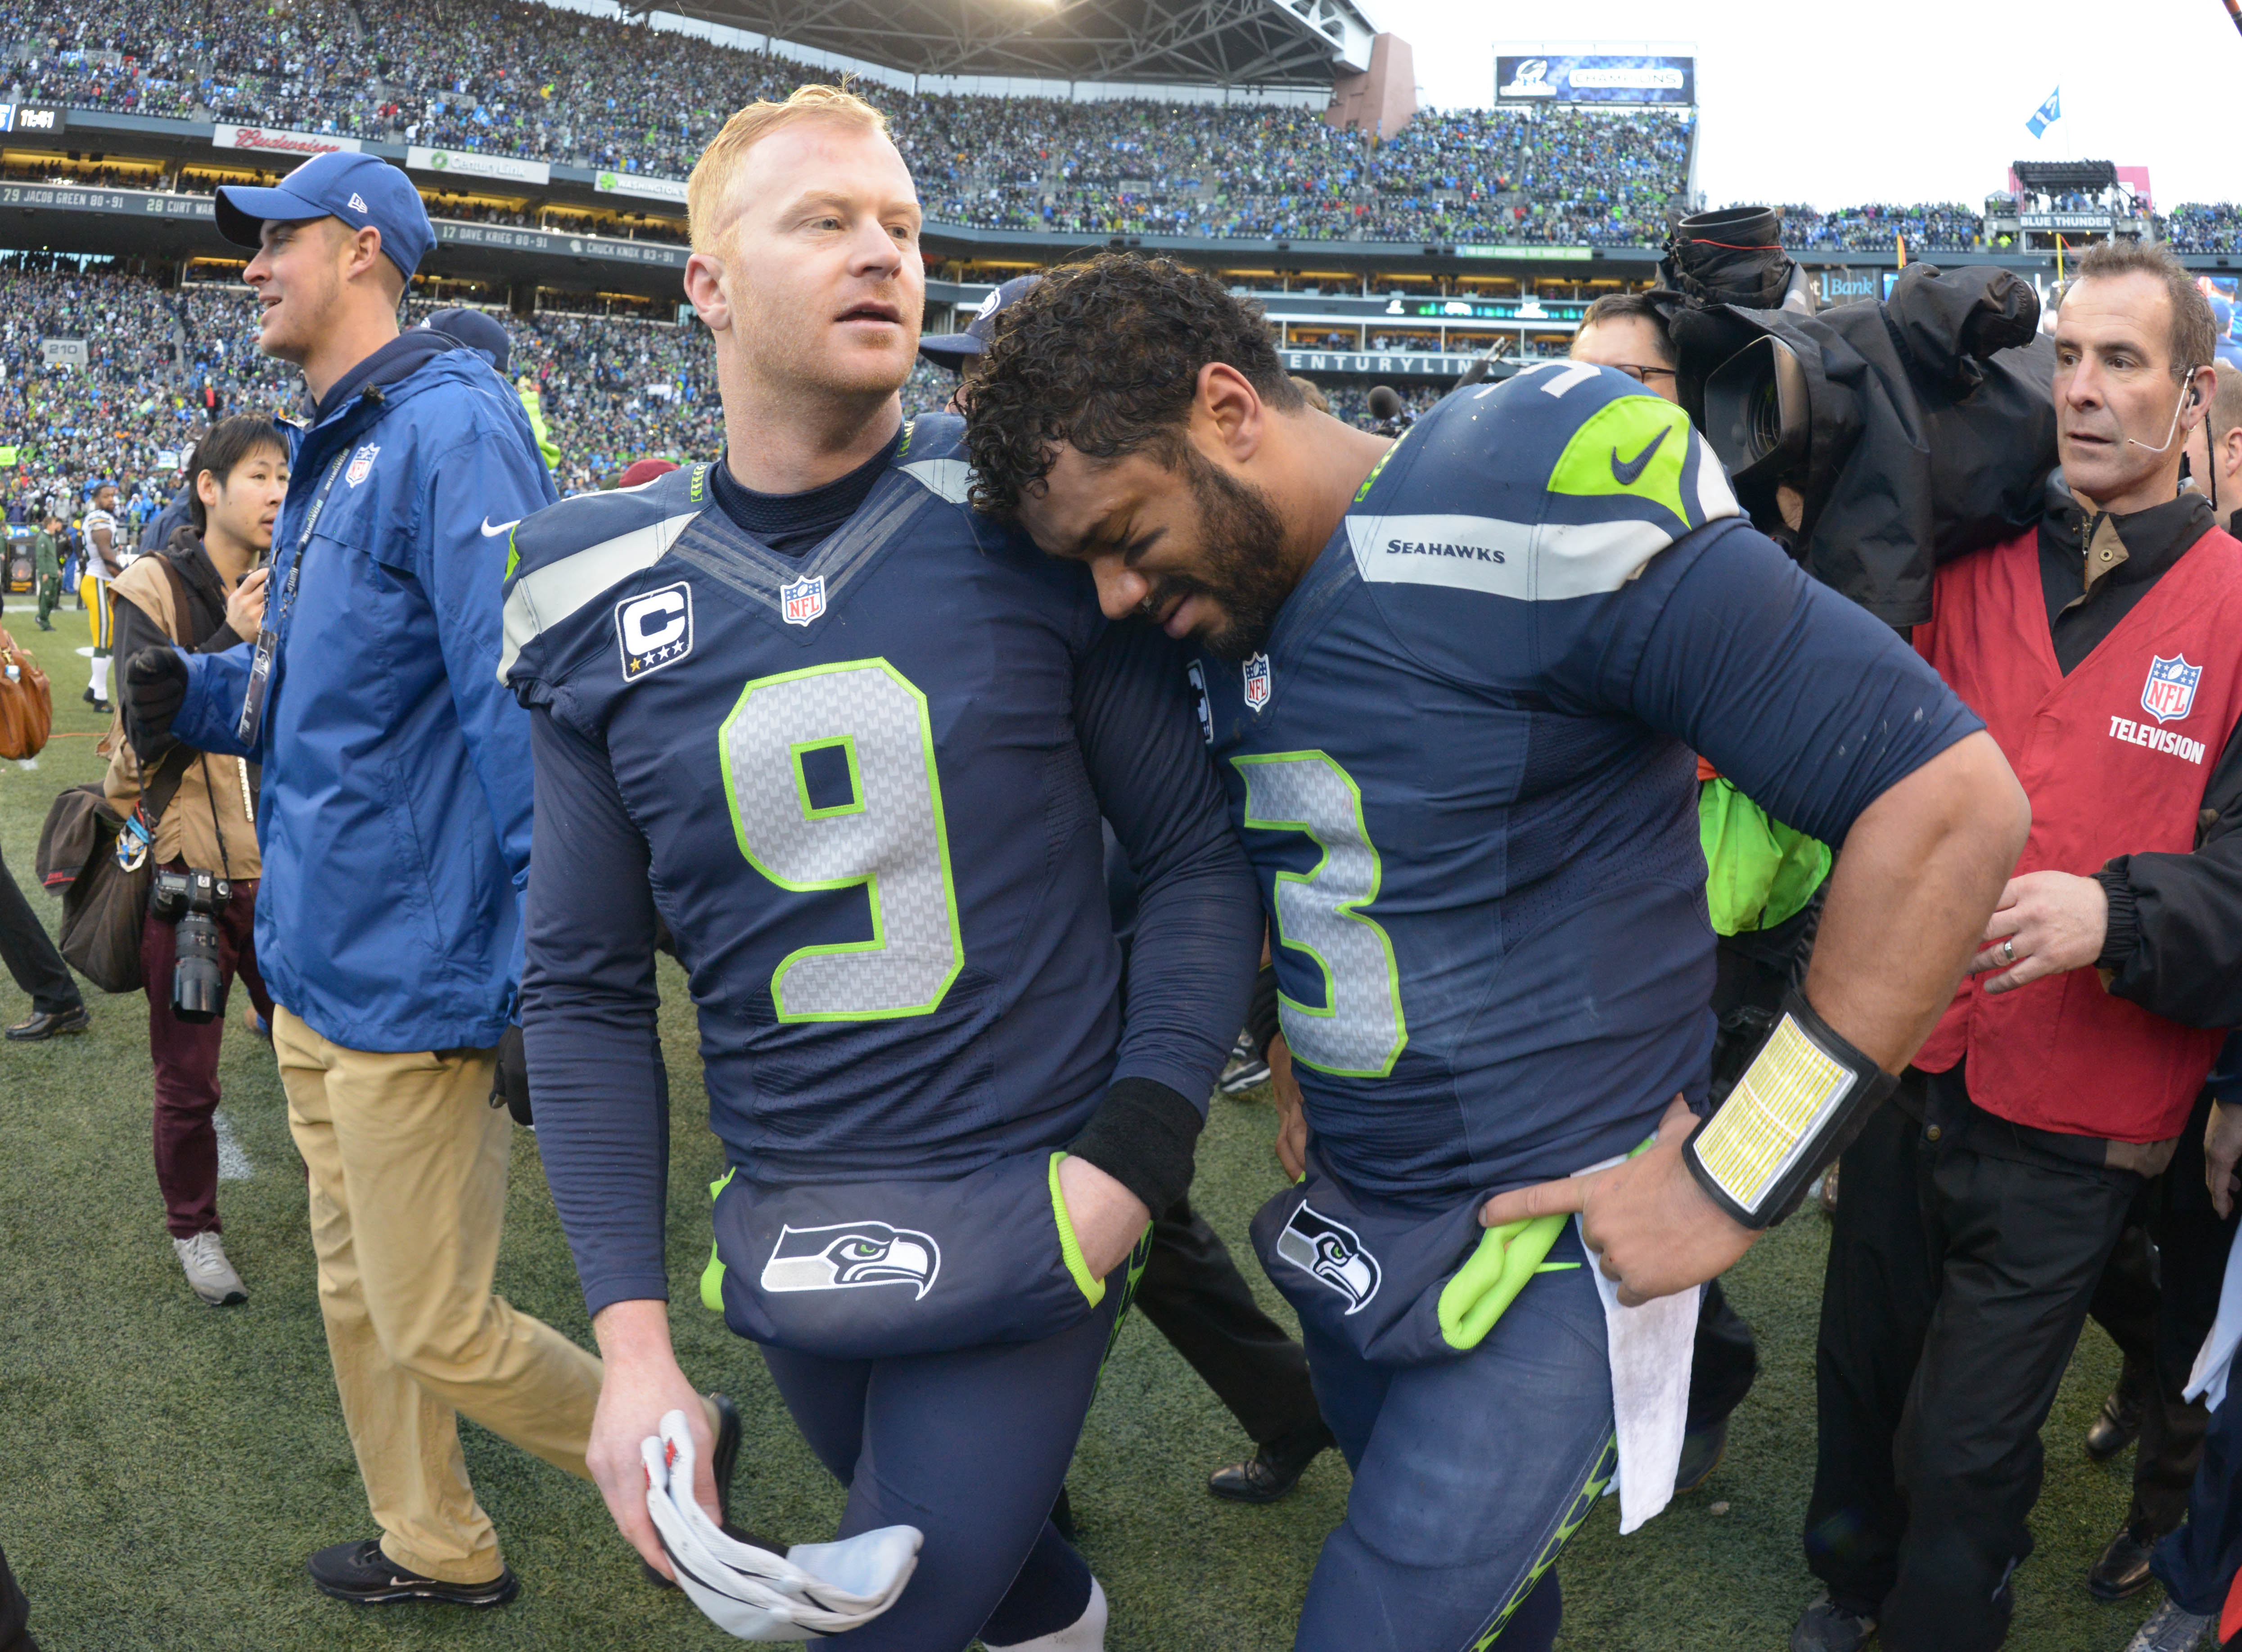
point(2171, 688)
point(803, 600)
point(1257, 682)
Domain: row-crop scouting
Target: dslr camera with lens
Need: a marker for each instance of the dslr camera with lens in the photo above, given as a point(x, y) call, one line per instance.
point(192, 901)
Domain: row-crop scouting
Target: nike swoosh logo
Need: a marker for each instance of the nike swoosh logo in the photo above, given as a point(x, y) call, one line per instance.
point(493, 532)
point(1628, 472)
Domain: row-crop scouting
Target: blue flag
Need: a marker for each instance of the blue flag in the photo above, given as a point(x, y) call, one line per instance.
point(2047, 114)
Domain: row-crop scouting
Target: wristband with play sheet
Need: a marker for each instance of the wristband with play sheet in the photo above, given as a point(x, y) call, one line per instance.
point(1797, 1106)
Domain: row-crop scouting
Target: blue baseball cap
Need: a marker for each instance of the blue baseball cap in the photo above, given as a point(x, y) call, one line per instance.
point(956, 350)
point(360, 189)
point(474, 329)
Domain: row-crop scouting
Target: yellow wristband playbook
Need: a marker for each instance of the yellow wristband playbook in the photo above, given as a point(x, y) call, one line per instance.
point(1797, 1106)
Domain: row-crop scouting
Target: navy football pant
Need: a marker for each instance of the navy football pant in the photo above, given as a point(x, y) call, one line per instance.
point(971, 1448)
point(1469, 1476)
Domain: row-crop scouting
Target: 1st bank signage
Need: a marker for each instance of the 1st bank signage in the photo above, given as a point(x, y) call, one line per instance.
point(281, 143)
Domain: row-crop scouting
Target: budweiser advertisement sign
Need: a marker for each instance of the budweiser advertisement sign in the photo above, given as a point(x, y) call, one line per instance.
point(281, 143)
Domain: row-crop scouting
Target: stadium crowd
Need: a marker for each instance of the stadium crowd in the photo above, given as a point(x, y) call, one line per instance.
point(526, 79)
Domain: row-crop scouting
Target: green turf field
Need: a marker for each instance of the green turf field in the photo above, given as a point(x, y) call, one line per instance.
point(164, 1468)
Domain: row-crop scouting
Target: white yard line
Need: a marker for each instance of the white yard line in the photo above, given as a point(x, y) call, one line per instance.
point(233, 1164)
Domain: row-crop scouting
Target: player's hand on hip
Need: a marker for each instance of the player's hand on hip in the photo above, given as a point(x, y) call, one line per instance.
point(1292, 1113)
point(1651, 1226)
point(1108, 1219)
point(2045, 923)
point(641, 1385)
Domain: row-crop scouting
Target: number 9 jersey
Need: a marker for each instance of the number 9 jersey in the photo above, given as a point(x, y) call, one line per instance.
point(862, 786)
point(1464, 771)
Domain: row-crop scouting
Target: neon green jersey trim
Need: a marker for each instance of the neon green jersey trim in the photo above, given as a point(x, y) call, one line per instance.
point(1090, 1287)
point(712, 1276)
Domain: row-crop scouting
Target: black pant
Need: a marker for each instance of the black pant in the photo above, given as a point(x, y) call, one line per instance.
point(30, 955)
point(15, 1612)
point(1962, 1258)
point(2156, 1300)
point(1194, 1293)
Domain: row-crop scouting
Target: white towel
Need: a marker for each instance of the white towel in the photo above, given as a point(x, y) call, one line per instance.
point(2216, 1361)
point(1651, 1349)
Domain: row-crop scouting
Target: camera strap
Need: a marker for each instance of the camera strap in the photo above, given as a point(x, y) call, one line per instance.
point(137, 835)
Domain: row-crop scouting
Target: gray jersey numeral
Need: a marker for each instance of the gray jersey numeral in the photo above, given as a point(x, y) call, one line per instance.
point(1359, 1031)
point(886, 834)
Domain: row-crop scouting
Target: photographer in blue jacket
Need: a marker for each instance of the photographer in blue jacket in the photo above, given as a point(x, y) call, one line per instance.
point(394, 827)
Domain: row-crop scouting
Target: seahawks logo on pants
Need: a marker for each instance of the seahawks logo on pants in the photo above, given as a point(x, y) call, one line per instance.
point(848, 1254)
point(1332, 1252)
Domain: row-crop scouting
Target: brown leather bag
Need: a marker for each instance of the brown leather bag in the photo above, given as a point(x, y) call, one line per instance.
point(27, 703)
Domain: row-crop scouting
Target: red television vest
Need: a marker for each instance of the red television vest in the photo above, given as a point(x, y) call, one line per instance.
point(2115, 758)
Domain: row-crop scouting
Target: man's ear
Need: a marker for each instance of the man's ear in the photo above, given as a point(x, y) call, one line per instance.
point(704, 290)
point(1230, 409)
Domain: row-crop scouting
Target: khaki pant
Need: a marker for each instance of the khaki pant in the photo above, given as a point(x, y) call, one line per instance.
point(408, 1165)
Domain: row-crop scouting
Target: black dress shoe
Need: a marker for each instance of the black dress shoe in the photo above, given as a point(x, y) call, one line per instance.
point(1275, 1468)
point(45, 1024)
point(1830, 1626)
point(723, 1459)
point(2123, 1568)
point(2117, 1425)
point(362, 1574)
point(1701, 1451)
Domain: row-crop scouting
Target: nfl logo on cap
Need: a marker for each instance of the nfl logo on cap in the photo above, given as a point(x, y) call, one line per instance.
point(803, 600)
point(2171, 688)
point(1257, 682)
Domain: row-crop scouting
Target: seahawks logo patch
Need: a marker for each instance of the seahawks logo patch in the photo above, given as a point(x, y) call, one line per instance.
point(845, 1255)
point(1332, 1252)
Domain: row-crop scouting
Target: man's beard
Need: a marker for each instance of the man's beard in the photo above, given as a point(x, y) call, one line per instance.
point(1244, 573)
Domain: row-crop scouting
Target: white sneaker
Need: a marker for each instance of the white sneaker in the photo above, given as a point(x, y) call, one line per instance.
point(1085, 1634)
point(207, 1270)
point(2169, 1630)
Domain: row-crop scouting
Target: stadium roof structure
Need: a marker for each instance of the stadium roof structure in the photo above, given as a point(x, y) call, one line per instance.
point(2058, 176)
point(1212, 43)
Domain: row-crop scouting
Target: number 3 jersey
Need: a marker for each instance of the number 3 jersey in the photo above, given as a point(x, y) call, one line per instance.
point(1464, 769)
point(861, 787)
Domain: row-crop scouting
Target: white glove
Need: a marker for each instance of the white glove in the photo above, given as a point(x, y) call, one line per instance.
point(751, 1593)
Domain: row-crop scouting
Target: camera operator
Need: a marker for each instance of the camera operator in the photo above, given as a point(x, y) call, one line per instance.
point(394, 823)
point(205, 591)
point(2103, 650)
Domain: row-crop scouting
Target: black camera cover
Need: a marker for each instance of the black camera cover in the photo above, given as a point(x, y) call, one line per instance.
point(1930, 433)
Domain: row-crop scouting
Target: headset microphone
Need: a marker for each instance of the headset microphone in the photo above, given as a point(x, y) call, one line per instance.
point(2190, 395)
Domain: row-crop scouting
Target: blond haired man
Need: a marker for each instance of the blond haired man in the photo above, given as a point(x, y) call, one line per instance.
point(851, 742)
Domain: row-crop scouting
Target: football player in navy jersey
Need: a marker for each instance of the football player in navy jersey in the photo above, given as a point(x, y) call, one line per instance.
point(1453, 684)
point(851, 742)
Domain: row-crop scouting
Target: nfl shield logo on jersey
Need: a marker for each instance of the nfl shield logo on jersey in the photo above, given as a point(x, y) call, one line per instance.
point(2171, 688)
point(1257, 682)
point(361, 464)
point(803, 600)
point(1330, 1252)
point(850, 1255)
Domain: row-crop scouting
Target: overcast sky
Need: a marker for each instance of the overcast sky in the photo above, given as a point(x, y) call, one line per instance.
point(1899, 100)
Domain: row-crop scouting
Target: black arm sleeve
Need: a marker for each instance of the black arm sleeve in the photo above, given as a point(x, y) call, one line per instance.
point(588, 1004)
point(1199, 913)
point(2174, 943)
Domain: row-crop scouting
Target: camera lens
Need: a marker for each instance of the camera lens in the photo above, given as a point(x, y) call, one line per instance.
point(198, 984)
